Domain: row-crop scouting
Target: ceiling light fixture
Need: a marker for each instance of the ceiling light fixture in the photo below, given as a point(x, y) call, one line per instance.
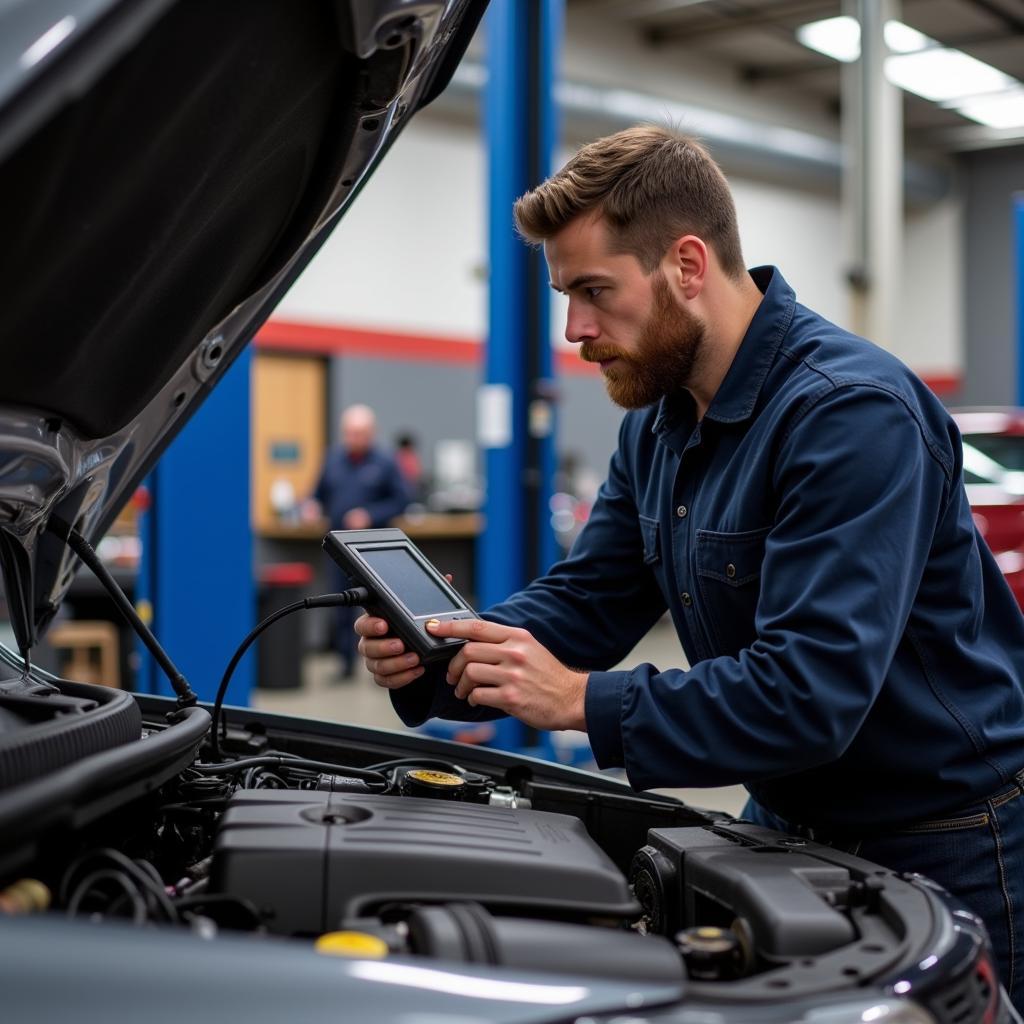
point(839, 38)
point(944, 75)
point(998, 110)
point(919, 64)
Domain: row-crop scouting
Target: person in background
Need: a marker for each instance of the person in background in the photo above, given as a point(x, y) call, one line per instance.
point(360, 488)
point(409, 463)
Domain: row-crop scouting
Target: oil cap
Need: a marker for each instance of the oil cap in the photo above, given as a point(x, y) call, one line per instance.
point(430, 783)
point(710, 954)
point(358, 945)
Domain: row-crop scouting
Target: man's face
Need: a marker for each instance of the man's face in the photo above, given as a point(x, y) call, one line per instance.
point(357, 434)
point(625, 320)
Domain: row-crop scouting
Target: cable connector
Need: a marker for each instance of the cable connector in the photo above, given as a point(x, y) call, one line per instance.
point(347, 598)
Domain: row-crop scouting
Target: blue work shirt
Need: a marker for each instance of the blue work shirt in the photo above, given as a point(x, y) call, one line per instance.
point(856, 655)
point(372, 481)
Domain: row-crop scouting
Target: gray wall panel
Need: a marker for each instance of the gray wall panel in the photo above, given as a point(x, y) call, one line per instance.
point(990, 178)
point(438, 401)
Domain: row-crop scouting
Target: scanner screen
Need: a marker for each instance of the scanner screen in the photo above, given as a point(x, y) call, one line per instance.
point(407, 579)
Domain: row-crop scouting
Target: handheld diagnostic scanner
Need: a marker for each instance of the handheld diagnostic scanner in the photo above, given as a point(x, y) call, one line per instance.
point(405, 588)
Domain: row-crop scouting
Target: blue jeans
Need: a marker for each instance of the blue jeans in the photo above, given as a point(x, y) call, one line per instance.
point(976, 853)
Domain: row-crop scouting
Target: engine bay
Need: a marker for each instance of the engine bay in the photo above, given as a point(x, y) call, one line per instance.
point(474, 857)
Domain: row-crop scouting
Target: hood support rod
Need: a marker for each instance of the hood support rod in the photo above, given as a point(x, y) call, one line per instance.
point(81, 547)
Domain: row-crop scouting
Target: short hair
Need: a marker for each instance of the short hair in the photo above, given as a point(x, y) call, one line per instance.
point(651, 185)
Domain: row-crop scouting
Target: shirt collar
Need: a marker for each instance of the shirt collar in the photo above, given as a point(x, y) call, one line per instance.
point(738, 393)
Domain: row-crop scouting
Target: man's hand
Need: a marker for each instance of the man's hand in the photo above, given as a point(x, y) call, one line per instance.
point(356, 519)
point(505, 667)
point(385, 656)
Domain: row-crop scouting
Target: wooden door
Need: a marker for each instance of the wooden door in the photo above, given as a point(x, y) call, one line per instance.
point(288, 429)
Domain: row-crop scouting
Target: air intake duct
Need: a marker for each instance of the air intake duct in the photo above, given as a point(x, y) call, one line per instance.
point(468, 933)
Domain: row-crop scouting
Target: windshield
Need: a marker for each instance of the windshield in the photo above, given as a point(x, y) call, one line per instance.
point(995, 459)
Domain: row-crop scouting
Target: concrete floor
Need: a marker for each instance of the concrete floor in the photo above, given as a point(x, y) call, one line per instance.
point(361, 702)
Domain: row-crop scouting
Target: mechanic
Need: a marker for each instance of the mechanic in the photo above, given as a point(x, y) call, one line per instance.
point(794, 497)
point(360, 487)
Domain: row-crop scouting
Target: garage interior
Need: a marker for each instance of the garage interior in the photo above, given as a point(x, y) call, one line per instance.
point(256, 321)
point(894, 214)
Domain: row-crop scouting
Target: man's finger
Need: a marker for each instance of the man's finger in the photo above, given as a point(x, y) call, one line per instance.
point(455, 669)
point(383, 648)
point(370, 625)
point(395, 682)
point(478, 675)
point(471, 629)
point(487, 653)
point(474, 651)
point(488, 697)
point(392, 666)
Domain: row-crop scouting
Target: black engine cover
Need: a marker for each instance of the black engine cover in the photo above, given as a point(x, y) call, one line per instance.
point(309, 860)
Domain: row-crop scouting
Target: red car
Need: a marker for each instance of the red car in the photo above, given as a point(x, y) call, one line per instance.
point(994, 477)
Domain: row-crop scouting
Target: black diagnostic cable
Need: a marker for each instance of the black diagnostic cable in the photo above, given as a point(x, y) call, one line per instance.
point(357, 595)
point(81, 547)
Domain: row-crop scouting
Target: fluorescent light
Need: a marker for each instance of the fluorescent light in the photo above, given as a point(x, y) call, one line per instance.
point(941, 75)
point(838, 38)
point(997, 110)
point(902, 38)
point(918, 64)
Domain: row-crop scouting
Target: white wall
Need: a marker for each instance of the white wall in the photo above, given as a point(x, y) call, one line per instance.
point(409, 254)
point(931, 313)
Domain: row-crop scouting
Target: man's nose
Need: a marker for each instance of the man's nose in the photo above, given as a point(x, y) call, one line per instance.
point(579, 325)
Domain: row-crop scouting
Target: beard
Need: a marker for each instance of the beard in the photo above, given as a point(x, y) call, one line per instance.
point(666, 351)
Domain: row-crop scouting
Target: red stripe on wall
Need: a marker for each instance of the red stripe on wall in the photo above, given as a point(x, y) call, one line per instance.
point(330, 339)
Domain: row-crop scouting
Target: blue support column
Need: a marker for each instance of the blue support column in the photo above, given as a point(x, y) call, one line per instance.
point(517, 402)
point(1018, 290)
point(197, 545)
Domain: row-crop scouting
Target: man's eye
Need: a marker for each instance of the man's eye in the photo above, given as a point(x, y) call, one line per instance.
point(594, 291)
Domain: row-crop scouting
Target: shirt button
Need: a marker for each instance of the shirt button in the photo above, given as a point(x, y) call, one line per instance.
point(687, 600)
point(681, 511)
point(730, 570)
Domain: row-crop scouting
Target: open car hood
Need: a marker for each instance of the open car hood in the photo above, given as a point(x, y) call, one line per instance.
point(167, 169)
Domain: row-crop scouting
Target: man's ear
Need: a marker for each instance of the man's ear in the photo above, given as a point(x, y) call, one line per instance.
point(688, 264)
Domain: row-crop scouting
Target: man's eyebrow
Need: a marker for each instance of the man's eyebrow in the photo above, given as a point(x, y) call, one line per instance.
point(579, 282)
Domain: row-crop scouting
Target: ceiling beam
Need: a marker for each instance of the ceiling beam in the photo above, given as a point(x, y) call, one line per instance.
point(737, 18)
point(753, 73)
point(636, 10)
point(1011, 21)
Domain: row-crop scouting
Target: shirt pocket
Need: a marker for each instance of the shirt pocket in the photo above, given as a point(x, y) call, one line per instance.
point(729, 579)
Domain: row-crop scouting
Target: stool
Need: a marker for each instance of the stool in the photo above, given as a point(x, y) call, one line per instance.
point(89, 649)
